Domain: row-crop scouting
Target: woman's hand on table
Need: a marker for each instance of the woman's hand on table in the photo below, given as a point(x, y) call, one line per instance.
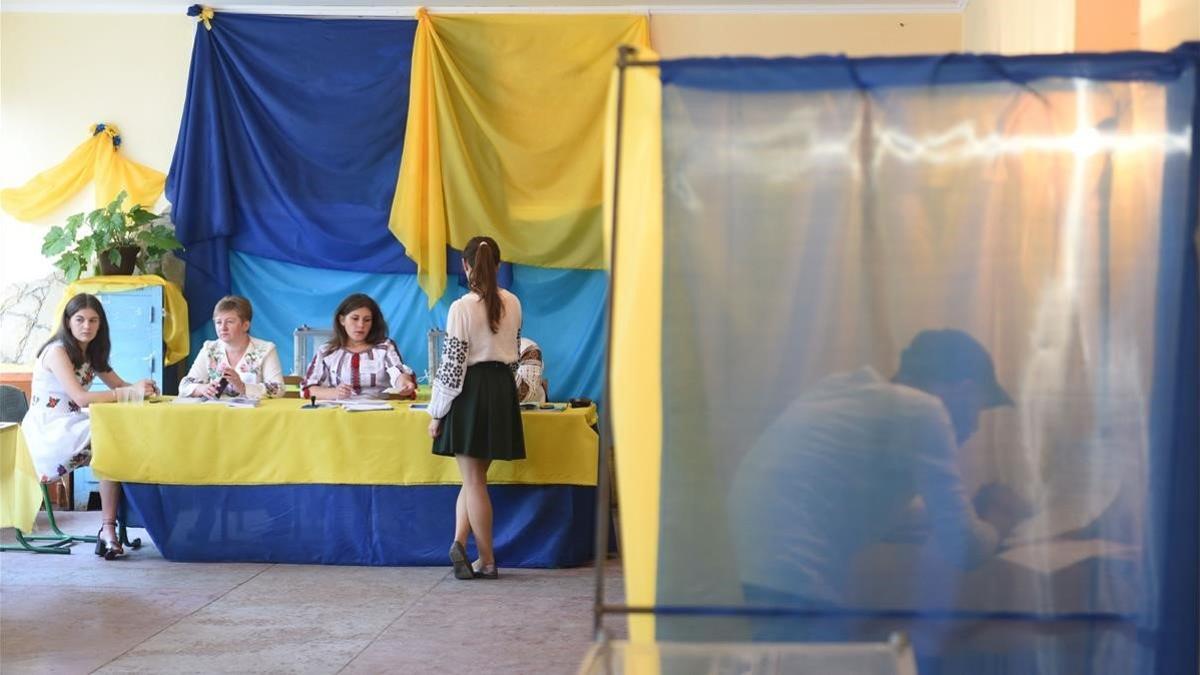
point(148, 388)
point(435, 427)
point(343, 391)
point(207, 391)
point(407, 385)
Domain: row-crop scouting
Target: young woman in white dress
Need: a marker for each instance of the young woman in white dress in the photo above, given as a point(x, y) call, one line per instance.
point(57, 428)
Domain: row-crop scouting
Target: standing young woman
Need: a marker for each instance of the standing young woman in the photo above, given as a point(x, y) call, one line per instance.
point(476, 417)
point(58, 432)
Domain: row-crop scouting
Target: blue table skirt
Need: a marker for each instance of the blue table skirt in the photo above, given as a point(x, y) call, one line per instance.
point(535, 526)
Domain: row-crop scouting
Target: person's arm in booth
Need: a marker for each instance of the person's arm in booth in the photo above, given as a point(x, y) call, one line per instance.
point(961, 535)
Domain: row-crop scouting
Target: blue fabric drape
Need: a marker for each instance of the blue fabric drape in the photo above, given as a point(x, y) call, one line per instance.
point(536, 526)
point(289, 146)
point(563, 312)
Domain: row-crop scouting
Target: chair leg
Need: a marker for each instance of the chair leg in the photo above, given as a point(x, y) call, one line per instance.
point(60, 546)
point(123, 536)
point(58, 535)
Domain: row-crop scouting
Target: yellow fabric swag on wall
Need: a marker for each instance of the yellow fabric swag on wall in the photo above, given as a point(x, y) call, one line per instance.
point(505, 137)
point(96, 159)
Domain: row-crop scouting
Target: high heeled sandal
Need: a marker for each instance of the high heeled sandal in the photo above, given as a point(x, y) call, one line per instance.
point(486, 572)
point(462, 567)
point(106, 548)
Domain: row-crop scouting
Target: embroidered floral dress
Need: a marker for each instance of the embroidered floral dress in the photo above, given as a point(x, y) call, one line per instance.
point(57, 431)
point(370, 372)
point(259, 369)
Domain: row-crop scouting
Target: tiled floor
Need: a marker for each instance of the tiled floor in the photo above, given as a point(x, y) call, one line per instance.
point(79, 614)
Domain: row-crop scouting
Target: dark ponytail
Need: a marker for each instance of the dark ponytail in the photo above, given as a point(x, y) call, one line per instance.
point(483, 257)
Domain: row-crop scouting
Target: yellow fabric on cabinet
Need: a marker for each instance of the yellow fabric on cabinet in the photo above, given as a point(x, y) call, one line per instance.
point(175, 315)
point(280, 443)
point(20, 493)
point(637, 412)
point(96, 159)
point(505, 138)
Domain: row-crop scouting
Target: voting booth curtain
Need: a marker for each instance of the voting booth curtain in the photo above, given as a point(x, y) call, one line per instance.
point(915, 342)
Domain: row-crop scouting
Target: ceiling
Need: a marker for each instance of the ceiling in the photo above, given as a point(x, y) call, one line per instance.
point(408, 7)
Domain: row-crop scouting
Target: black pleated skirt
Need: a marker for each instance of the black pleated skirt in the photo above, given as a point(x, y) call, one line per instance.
point(484, 420)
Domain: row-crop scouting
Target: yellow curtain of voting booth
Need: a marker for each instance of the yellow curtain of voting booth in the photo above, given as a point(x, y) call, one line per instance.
point(175, 316)
point(505, 138)
point(637, 330)
point(96, 159)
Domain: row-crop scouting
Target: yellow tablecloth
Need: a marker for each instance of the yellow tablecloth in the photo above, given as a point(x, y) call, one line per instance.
point(20, 494)
point(279, 442)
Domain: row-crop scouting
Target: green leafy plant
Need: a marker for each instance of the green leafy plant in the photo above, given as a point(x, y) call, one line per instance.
point(105, 232)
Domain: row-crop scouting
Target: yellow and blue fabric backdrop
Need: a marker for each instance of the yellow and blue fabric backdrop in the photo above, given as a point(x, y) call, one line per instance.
point(505, 138)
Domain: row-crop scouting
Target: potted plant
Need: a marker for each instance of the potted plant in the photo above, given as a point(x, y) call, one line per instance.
point(118, 239)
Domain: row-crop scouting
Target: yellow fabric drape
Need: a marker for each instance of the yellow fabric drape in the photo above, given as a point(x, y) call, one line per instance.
point(637, 329)
point(20, 493)
point(280, 443)
point(505, 137)
point(96, 159)
point(175, 316)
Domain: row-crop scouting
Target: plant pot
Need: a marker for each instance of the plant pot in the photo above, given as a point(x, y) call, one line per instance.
point(129, 256)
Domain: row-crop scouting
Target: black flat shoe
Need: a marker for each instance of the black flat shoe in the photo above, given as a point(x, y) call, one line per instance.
point(462, 567)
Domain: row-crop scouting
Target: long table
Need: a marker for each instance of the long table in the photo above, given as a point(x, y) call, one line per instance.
point(282, 483)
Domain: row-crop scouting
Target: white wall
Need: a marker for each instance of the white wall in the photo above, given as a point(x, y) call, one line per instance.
point(1019, 26)
point(59, 74)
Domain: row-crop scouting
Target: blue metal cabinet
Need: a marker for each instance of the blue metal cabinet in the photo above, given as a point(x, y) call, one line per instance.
point(135, 325)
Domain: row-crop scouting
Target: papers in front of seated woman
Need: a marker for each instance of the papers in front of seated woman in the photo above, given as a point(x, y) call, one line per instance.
point(356, 404)
point(235, 402)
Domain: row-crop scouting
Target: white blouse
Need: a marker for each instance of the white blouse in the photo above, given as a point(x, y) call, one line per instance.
point(370, 372)
point(470, 340)
point(259, 369)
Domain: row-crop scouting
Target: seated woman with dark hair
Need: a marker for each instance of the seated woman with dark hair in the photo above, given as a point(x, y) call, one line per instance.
point(249, 366)
point(57, 429)
point(360, 360)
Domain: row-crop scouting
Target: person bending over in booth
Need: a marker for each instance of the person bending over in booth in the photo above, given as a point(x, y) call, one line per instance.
point(57, 429)
point(361, 360)
point(249, 366)
point(828, 477)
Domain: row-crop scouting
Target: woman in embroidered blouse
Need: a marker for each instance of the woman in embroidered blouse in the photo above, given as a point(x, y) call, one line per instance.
point(56, 428)
point(250, 366)
point(360, 360)
point(476, 418)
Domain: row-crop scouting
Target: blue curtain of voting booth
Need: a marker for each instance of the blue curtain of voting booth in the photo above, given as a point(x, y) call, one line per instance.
point(946, 309)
